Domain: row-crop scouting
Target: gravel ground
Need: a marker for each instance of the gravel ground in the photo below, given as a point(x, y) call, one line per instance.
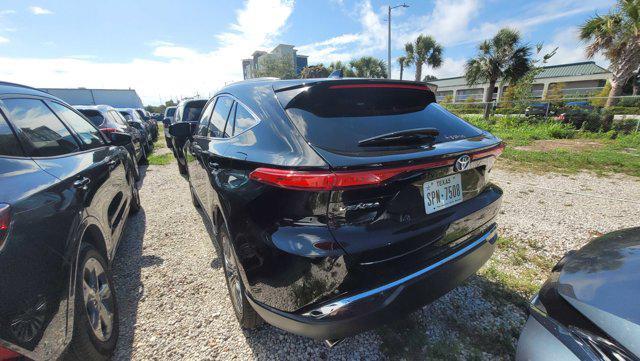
point(173, 300)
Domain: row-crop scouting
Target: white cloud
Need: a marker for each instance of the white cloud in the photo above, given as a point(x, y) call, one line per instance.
point(3, 40)
point(37, 10)
point(172, 70)
point(450, 23)
point(7, 12)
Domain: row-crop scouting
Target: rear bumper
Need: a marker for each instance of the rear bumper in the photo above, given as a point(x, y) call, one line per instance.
point(355, 313)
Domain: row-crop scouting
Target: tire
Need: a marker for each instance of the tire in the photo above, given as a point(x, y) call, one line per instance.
point(136, 168)
point(247, 317)
point(135, 198)
point(194, 199)
point(88, 343)
point(143, 158)
point(182, 168)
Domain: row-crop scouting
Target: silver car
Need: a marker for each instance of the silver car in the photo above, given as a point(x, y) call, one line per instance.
point(589, 308)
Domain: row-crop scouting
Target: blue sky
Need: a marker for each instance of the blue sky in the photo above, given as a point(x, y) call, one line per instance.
point(166, 49)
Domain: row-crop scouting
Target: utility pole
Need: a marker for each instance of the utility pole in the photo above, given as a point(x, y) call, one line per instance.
point(389, 37)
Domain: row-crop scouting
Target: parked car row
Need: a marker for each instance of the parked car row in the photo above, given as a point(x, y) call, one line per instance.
point(67, 189)
point(337, 204)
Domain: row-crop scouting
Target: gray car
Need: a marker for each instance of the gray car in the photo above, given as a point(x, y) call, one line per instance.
point(588, 309)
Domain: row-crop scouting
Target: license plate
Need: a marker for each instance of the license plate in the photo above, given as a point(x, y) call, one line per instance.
point(442, 193)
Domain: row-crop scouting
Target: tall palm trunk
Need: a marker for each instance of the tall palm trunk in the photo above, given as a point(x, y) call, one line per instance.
point(488, 97)
point(616, 91)
point(418, 71)
point(622, 70)
point(401, 70)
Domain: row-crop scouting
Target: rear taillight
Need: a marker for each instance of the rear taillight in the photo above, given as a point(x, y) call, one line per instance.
point(7, 355)
point(5, 222)
point(108, 131)
point(492, 152)
point(328, 180)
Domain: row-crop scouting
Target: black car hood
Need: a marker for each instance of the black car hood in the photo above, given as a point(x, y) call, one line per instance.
point(602, 281)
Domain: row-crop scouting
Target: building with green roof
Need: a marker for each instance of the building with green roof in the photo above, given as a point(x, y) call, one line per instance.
point(577, 79)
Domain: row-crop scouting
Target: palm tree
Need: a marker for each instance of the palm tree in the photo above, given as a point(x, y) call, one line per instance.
point(617, 36)
point(369, 67)
point(425, 50)
point(338, 65)
point(402, 61)
point(502, 57)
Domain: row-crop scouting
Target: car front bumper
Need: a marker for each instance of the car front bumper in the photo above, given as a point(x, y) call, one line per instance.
point(352, 314)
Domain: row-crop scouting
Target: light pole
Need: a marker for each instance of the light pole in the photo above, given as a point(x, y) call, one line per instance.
point(389, 39)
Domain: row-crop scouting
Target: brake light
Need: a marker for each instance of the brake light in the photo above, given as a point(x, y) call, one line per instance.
point(495, 152)
point(5, 222)
point(7, 355)
point(108, 131)
point(392, 86)
point(328, 180)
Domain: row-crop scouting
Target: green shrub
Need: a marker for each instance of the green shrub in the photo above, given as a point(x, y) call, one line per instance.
point(618, 109)
point(629, 102)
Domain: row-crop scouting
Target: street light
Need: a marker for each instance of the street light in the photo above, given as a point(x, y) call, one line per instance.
point(389, 42)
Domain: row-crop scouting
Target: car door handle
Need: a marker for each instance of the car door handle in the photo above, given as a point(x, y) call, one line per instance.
point(81, 183)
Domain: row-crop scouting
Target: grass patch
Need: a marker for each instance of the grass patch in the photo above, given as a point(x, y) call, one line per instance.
point(160, 159)
point(620, 153)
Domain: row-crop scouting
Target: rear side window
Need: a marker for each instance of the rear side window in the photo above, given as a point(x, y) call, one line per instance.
point(127, 116)
point(45, 133)
point(337, 117)
point(169, 112)
point(8, 142)
point(115, 118)
point(192, 111)
point(203, 127)
point(88, 133)
point(219, 117)
point(243, 120)
point(94, 116)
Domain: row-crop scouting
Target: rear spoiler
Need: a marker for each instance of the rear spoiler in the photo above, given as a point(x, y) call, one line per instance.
point(286, 92)
point(284, 86)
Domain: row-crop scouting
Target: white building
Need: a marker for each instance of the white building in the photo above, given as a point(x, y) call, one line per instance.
point(251, 65)
point(577, 78)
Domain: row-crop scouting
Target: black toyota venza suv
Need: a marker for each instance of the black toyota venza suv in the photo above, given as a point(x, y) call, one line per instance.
point(339, 204)
point(65, 193)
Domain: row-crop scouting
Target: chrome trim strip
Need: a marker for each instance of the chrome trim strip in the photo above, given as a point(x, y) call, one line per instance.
point(325, 310)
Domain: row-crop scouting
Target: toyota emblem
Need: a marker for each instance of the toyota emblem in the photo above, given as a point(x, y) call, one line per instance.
point(462, 163)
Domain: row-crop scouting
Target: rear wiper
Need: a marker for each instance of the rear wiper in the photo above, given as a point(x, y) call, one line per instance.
point(403, 137)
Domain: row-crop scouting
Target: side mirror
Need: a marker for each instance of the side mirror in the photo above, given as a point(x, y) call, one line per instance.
point(166, 122)
point(180, 130)
point(120, 139)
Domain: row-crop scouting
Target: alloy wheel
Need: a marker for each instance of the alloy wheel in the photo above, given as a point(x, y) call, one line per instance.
point(98, 299)
point(232, 274)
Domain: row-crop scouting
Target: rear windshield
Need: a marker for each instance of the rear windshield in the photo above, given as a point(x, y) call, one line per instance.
point(93, 115)
point(192, 111)
point(336, 119)
point(170, 112)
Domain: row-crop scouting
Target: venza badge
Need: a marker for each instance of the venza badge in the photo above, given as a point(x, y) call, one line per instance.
point(462, 163)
